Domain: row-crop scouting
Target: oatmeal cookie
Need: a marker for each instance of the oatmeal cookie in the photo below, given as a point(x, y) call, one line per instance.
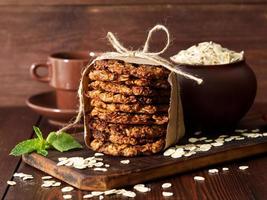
point(110, 97)
point(135, 131)
point(126, 118)
point(103, 75)
point(139, 71)
point(120, 138)
point(128, 90)
point(131, 108)
point(127, 150)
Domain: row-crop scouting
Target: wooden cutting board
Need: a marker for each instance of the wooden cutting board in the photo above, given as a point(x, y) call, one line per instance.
point(140, 169)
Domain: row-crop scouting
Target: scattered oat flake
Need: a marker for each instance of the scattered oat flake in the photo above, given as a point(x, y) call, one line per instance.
point(67, 196)
point(264, 134)
point(166, 185)
point(169, 152)
point(99, 164)
point(49, 181)
point(88, 196)
point(167, 194)
point(213, 171)
point(27, 177)
point(225, 168)
point(129, 194)
point(240, 138)
point(80, 166)
point(141, 188)
point(21, 175)
point(107, 165)
point(96, 193)
point(217, 144)
point(179, 152)
point(202, 138)
point(47, 177)
point(98, 154)
point(101, 197)
point(243, 167)
point(67, 189)
point(208, 140)
point(255, 130)
point(199, 178)
point(125, 162)
point(205, 147)
point(62, 158)
point(63, 162)
point(109, 192)
point(192, 140)
point(139, 185)
point(46, 185)
point(100, 169)
point(11, 183)
point(56, 184)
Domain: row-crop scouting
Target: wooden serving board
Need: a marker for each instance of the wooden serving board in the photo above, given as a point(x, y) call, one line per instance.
point(140, 169)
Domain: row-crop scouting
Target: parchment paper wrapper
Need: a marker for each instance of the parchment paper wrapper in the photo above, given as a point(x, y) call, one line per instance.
point(175, 128)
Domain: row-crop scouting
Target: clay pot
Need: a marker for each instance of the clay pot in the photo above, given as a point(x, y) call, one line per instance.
point(224, 97)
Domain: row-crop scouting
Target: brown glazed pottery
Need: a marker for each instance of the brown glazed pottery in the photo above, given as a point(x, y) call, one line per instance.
point(64, 73)
point(224, 97)
point(45, 104)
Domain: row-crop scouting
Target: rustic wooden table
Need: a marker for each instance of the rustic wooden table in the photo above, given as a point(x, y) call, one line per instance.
point(17, 122)
point(31, 30)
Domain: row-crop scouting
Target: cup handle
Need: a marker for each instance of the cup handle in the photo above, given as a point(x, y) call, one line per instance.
point(34, 74)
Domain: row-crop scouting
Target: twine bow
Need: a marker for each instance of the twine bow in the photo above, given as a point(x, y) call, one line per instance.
point(152, 56)
point(124, 52)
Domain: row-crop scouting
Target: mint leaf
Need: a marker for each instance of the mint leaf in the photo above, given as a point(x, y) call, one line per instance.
point(26, 146)
point(38, 132)
point(42, 152)
point(63, 141)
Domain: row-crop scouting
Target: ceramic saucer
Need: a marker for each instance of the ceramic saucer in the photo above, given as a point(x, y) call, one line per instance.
point(45, 105)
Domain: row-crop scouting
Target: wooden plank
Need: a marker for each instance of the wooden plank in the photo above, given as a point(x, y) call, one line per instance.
point(16, 125)
point(141, 169)
point(123, 2)
point(44, 29)
point(234, 184)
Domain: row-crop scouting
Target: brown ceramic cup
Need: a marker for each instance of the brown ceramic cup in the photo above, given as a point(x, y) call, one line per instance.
point(63, 73)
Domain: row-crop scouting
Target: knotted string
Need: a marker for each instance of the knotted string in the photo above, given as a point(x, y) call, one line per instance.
point(124, 52)
point(152, 56)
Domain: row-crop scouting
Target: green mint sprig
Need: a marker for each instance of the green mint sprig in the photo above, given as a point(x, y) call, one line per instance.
point(61, 142)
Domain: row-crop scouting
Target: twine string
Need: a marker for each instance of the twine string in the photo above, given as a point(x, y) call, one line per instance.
point(156, 28)
point(124, 52)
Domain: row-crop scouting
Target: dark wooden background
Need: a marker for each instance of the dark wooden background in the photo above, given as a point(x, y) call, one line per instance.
point(30, 30)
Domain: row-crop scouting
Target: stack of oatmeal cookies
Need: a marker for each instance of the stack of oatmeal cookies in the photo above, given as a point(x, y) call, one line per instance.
point(130, 105)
